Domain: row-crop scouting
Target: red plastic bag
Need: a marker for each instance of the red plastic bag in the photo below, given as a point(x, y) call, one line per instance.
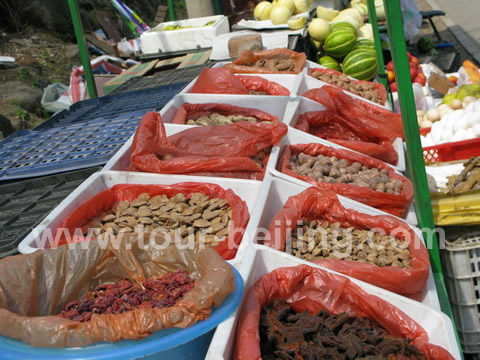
point(352, 123)
point(381, 89)
point(394, 204)
point(104, 200)
point(247, 59)
point(193, 111)
point(313, 290)
point(222, 81)
point(203, 150)
point(324, 205)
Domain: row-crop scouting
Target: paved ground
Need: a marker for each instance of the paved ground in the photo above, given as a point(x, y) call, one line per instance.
point(462, 19)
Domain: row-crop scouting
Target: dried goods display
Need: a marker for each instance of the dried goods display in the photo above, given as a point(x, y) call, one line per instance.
point(363, 89)
point(254, 92)
point(217, 119)
point(286, 334)
point(125, 295)
point(313, 240)
point(275, 64)
point(199, 218)
point(467, 180)
point(341, 171)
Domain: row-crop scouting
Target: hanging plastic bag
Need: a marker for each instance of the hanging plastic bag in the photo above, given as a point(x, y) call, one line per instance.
point(245, 63)
point(52, 278)
point(381, 89)
point(204, 150)
point(310, 289)
point(392, 203)
point(324, 205)
point(104, 200)
point(189, 111)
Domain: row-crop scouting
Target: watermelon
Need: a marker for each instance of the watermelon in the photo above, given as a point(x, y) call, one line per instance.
point(364, 44)
point(329, 62)
point(360, 64)
point(339, 43)
point(343, 25)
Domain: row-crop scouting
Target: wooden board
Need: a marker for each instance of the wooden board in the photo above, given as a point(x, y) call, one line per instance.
point(108, 26)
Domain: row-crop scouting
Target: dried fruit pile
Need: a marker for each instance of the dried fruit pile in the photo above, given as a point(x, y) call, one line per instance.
point(197, 218)
point(313, 240)
point(363, 89)
point(276, 64)
point(125, 295)
point(340, 171)
point(285, 334)
point(215, 119)
point(467, 180)
point(254, 92)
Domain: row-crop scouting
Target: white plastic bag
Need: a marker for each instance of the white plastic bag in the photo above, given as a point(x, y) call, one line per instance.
point(51, 97)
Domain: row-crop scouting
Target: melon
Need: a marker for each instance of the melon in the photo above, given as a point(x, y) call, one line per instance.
point(360, 64)
point(343, 25)
point(339, 43)
point(364, 44)
point(329, 62)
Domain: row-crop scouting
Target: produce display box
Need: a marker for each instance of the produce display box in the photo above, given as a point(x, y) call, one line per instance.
point(456, 209)
point(452, 151)
point(173, 343)
point(295, 136)
point(166, 77)
point(301, 105)
point(247, 190)
point(260, 260)
point(23, 204)
point(275, 193)
point(196, 36)
point(287, 81)
point(274, 105)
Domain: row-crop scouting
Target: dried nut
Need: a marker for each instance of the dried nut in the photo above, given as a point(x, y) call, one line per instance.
point(201, 223)
point(144, 211)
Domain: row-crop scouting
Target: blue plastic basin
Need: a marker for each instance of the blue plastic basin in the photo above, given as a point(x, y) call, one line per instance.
point(175, 344)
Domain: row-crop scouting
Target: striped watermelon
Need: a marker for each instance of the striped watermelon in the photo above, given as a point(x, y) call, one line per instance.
point(329, 62)
point(360, 64)
point(364, 44)
point(339, 43)
point(343, 25)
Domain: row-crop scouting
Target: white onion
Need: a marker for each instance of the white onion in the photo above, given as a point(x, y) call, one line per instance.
point(446, 135)
point(461, 134)
point(460, 124)
point(470, 108)
point(473, 119)
point(470, 134)
point(476, 129)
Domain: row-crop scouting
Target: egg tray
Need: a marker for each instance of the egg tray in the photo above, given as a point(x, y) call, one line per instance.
point(78, 141)
point(24, 204)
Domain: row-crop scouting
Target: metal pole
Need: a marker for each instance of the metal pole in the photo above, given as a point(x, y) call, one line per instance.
point(372, 19)
point(416, 165)
point(171, 10)
point(82, 48)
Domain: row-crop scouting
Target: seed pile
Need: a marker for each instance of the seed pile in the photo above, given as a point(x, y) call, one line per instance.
point(313, 240)
point(198, 218)
point(215, 119)
point(285, 334)
point(341, 171)
point(253, 92)
point(125, 295)
point(365, 90)
point(276, 64)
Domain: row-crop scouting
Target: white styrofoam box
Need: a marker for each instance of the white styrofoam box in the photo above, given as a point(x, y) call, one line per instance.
point(275, 193)
point(121, 160)
point(287, 81)
point(295, 136)
point(247, 190)
point(300, 105)
point(274, 105)
point(260, 260)
point(308, 82)
point(198, 36)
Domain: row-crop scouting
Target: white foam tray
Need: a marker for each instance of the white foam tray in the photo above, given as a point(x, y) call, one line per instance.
point(300, 105)
point(157, 41)
point(260, 260)
point(274, 105)
point(276, 191)
point(295, 136)
point(247, 190)
point(287, 81)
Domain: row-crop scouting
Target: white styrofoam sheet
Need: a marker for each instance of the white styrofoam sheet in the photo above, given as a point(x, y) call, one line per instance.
point(295, 136)
point(287, 81)
point(247, 190)
point(276, 192)
point(267, 24)
point(260, 260)
point(301, 105)
point(198, 36)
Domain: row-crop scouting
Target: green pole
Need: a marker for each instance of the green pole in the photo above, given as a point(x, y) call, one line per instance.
point(171, 10)
point(416, 165)
point(217, 5)
point(82, 48)
point(372, 19)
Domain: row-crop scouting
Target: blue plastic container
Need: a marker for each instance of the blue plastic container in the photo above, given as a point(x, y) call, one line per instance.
point(170, 344)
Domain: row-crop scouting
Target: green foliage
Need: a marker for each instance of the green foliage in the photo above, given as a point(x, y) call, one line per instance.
point(23, 75)
point(22, 113)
